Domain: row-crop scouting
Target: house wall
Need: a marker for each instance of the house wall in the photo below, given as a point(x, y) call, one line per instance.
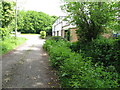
point(59, 27)
point(62, 33)
point(73, 35)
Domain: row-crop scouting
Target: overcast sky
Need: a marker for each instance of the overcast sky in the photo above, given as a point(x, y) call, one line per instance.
point(51, 7)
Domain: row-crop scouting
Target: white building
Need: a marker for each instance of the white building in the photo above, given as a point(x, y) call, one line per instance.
point(57, 27)
point(61, 27)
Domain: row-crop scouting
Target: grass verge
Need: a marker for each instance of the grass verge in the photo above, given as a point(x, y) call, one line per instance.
point(10, 43)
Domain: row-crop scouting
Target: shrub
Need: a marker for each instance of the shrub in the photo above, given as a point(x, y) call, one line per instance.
point(75, 46)
point(77, 71)
point(57, 38)
point(106, 51)
point(55, 41)
point(42, 34)
point(59, 53)
point(4, 32)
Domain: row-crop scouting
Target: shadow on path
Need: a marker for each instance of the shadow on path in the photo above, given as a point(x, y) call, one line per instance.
point(28, 67)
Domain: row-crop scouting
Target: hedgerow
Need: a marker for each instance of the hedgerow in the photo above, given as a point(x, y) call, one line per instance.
point(77, 71)
point(106, 51)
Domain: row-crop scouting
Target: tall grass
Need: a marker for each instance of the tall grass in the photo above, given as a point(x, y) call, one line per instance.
point(10, 43)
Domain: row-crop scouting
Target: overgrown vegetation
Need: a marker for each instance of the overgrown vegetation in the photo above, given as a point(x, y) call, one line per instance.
point(77, 71)
point(102, 50)
point(10, 43)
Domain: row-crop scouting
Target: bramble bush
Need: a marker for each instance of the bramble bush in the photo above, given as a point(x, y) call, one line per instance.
point(77, 71)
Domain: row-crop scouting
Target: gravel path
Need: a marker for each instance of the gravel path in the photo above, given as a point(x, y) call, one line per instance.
point(28, 67)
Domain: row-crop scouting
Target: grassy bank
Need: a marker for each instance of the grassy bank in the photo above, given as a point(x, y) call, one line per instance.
point(10, 43)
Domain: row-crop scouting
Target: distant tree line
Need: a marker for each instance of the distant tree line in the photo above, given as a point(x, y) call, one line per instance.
point(34, 22)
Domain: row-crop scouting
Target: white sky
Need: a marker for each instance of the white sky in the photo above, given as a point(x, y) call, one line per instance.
point(51, 7)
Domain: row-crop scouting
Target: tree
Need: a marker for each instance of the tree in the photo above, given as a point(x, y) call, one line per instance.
point(20, 20)
point(90, 17)
point(8, 12)
point(115, 24)
point(34, 22)
point(0, 14)
point(6, 17)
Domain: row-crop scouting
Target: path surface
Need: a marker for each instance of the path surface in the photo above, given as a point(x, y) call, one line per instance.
point(28, 66)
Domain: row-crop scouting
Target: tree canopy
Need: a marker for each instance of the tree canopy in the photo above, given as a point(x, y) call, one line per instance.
point(34, 22)
point(8, 12)
point(91, 18)
point(7, 15)
point(0, 13)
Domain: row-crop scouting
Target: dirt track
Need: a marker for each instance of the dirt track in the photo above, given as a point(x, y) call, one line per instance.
point(28, 67)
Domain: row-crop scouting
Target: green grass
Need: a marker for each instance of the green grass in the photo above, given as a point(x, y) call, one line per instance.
point(10, 43)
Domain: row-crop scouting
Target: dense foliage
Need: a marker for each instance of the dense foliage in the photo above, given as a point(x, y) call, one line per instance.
point(105, 51)
point(8, 12)
point(34, 22)
point(91, 18)
point(78, 71)
point(0, 14)
point(6, 18)
point(95, 20)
